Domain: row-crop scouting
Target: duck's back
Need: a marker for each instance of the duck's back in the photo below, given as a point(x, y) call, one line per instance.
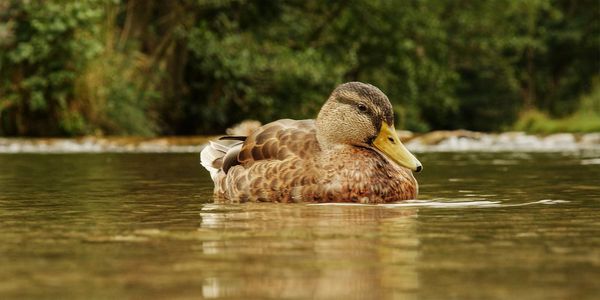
point(271, 161)
point(280, 140)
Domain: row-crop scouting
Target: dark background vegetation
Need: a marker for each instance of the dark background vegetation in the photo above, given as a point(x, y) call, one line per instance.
point(143, 67)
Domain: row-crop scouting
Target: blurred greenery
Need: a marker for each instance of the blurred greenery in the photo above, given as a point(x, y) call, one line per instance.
point(142, 67)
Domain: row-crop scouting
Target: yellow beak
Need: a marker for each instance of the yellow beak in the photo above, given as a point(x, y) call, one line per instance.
point(387, 141)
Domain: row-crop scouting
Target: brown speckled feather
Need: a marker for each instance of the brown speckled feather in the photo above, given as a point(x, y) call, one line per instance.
point(282, 162)
point(280, 140)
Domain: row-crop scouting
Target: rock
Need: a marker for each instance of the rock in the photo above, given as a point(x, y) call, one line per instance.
point(435, 137)
point(560, 139)
point(244, 128)
point(437, 141)
point(517, 139)
point(405, 135)
point(590, 139)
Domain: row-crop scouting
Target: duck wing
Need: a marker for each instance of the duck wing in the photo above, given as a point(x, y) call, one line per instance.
point(280, 140)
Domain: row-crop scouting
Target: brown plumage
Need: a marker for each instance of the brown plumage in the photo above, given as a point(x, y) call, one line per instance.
point(350, 153)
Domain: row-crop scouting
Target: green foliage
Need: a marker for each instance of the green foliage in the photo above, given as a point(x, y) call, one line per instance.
point(585, 119)
point(270, 69)
point(535, 121)
point(115, 88)
point(257, 73)
point(116, 100)
point(141, 67)
point(47, 46)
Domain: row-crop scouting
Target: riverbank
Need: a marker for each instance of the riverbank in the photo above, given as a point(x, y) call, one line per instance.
point(436, 141)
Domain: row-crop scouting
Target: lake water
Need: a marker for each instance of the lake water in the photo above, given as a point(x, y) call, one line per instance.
point(142, 226)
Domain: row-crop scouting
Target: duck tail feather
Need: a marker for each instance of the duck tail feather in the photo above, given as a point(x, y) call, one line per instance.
point(219, 156)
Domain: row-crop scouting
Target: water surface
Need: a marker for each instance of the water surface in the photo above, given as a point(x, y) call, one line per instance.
point(486, 226)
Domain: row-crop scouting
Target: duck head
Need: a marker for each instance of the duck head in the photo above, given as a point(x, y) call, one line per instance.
point(361, 115)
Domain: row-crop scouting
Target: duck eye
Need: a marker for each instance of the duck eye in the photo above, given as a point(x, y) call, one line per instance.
point(362, 107)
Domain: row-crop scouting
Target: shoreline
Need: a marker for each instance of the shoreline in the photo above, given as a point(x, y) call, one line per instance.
point(435, 141)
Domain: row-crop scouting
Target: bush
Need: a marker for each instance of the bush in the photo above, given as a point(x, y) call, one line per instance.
point(140, 67)
point(49, 45)
point(585, 119)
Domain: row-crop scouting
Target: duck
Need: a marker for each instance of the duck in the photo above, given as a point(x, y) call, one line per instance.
point(350, 153)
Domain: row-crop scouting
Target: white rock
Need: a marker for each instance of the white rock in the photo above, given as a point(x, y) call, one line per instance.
point(590, 139)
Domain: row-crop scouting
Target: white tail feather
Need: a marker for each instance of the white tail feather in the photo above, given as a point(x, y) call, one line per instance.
point(212, 156)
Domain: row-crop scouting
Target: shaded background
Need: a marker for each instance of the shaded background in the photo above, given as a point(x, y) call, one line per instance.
point(187, 67)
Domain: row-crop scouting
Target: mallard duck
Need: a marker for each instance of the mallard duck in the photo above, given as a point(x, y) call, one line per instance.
point(350, 153)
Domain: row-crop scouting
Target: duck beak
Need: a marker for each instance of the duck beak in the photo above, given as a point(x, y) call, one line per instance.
point(387, 141)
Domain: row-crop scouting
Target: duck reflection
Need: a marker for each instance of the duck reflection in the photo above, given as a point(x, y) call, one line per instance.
point(304, 251)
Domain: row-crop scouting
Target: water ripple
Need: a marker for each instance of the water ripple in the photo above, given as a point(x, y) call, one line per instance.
point(453, 204)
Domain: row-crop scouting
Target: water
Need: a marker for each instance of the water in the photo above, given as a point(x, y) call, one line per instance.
point(142, 226)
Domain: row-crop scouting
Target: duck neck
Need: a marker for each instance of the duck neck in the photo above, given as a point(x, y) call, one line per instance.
point(327, 134)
